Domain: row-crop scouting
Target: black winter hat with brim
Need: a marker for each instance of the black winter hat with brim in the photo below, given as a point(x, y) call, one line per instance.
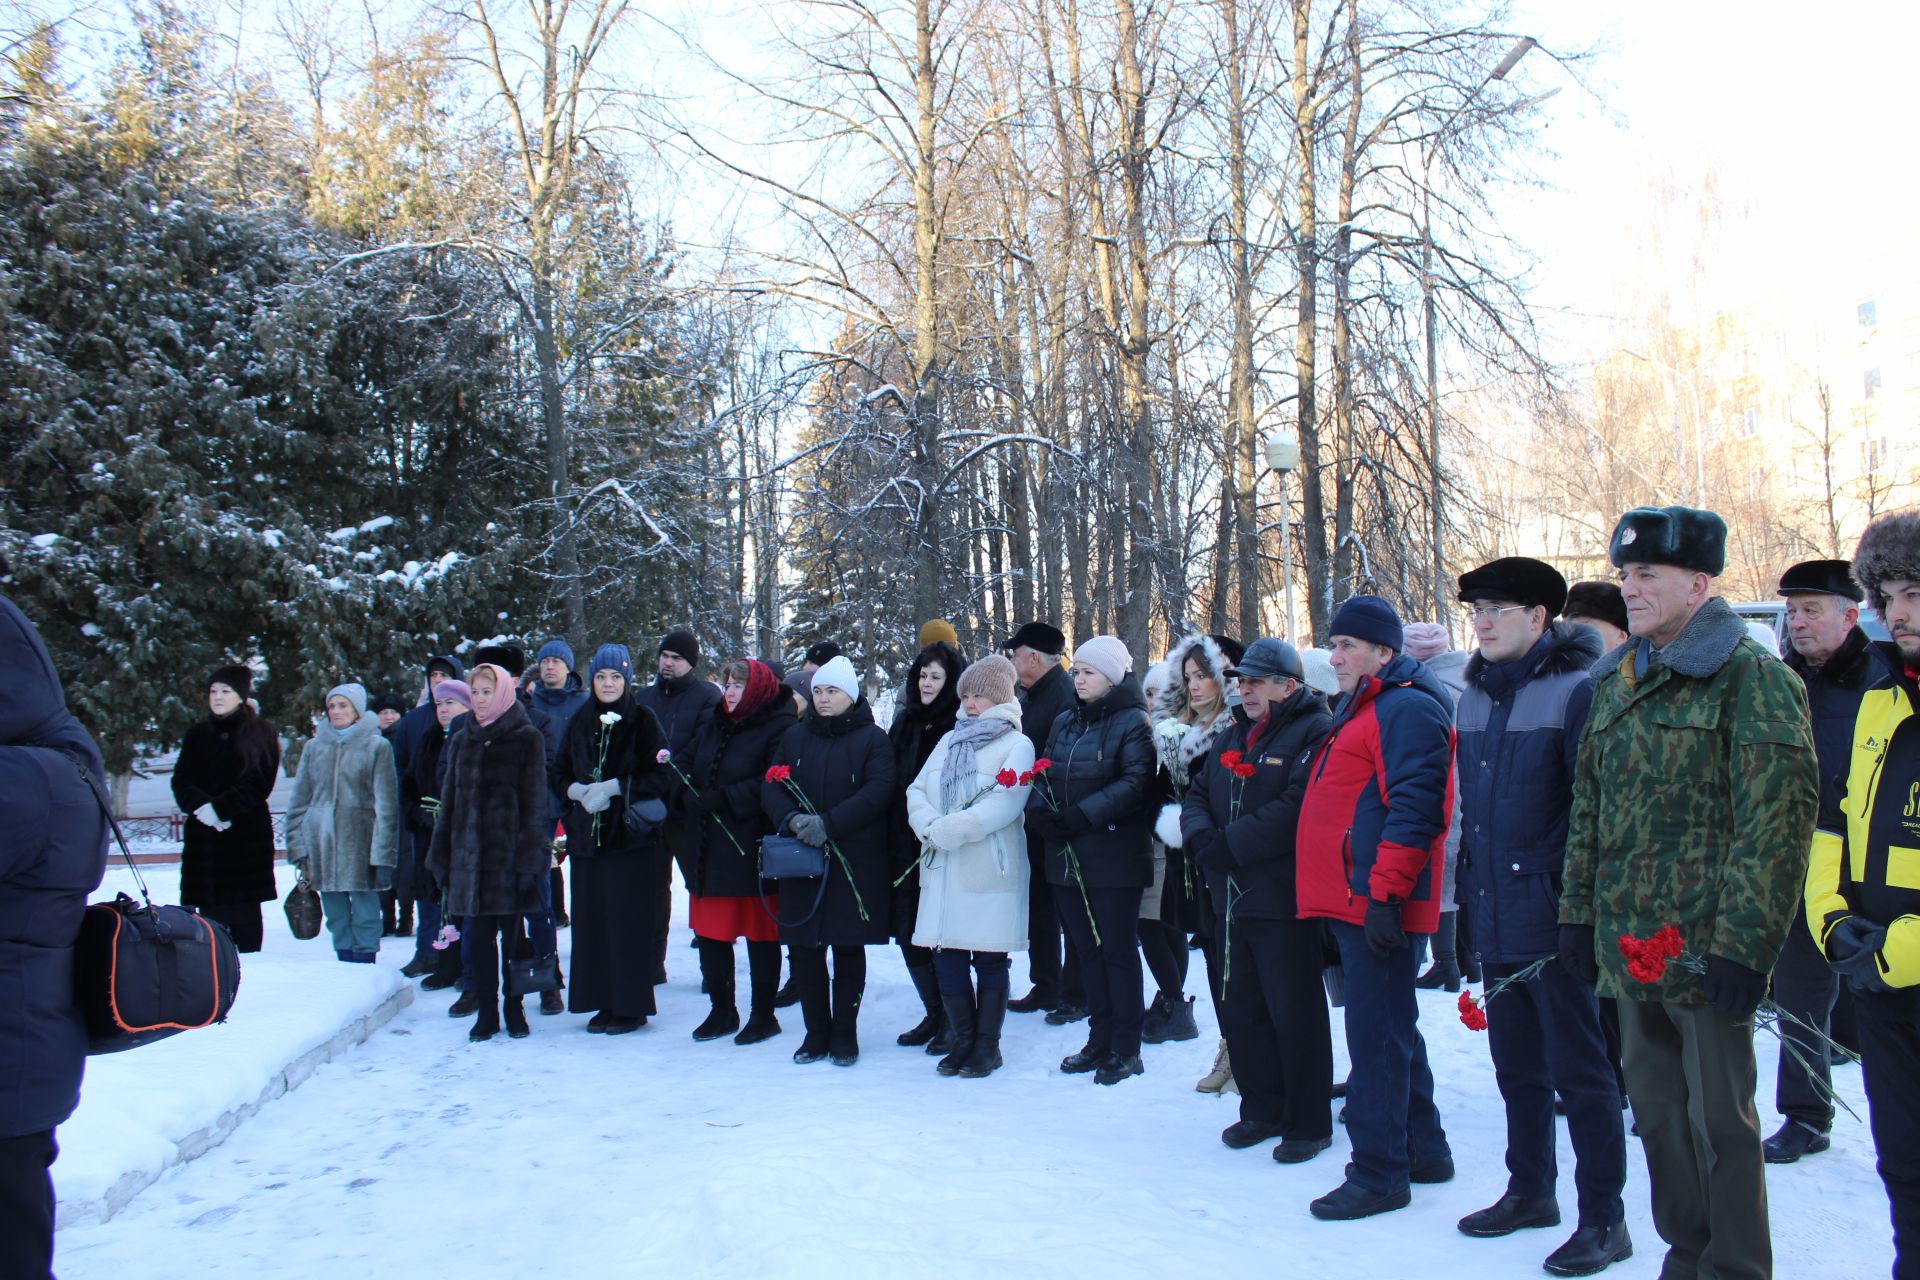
point(1822, 577)
point(1269, 659)
point(1039, 637)
point(1889, 551)
point(1598, 600)
point(1518, 580)
point(1684, 536)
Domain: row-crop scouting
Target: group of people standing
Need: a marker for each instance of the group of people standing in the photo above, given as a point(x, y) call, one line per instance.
point(1610, 763)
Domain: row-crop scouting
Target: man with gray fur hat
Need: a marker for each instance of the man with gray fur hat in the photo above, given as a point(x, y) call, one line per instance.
point(1862, 899)
point(1693, 792)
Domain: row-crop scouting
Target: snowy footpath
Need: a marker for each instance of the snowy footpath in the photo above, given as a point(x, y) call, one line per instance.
point(573, 1155)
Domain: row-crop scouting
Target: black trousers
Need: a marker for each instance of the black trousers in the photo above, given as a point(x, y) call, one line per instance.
point(490, 942)
point(1277, 1027)
point(1110, 969)
point(1805, 986)
point(1545, 1035)
point(26, 1206)
point(1890, 1056)
point(243, 922)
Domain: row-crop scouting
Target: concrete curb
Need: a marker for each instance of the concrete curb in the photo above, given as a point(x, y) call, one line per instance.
point(206, 1138)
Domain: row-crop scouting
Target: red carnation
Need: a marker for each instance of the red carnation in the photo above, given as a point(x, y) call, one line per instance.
point(1647, 957)
point(1472, 1016)
point(1231, 759)
point(1241, 770)
point(1007, 778)
point(1041, 765)
point(779, 773)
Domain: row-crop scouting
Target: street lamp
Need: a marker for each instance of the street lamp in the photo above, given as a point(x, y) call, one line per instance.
point(1521, 48)
point(1283, 455)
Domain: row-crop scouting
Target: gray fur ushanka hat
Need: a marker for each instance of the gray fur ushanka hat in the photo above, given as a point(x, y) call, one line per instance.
point(1889, 549)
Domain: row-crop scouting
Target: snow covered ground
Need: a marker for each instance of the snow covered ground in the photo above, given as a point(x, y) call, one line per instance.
point(574, 1155)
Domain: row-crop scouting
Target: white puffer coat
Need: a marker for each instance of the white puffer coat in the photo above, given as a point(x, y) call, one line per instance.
point(973, 875)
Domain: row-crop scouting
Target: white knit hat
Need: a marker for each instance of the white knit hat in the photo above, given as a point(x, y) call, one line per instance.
point(839, 674)
point(1106, 655)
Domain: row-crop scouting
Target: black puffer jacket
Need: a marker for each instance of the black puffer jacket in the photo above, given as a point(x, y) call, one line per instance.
point(53, 857)
point(231, 763)
point(1260, 838)
point(492, 841)
point(1103, 776)
point(728, 766)
point(844, 766)
point(1833, 700)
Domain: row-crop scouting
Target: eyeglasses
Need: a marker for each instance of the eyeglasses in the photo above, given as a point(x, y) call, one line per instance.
point(1489, 612)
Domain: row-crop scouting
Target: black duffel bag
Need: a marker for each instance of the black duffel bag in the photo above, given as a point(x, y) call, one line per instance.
point(143, 973)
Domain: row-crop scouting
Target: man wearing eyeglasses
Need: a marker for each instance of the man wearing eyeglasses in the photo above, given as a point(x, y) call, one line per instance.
point(1693, 796)
point(1521, 714)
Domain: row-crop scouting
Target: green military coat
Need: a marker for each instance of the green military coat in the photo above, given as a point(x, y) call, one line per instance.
point(1694, 798)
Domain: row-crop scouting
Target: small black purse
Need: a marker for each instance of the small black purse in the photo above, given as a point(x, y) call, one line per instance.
point(787, 858)
point(528, 973)
point(646, 816)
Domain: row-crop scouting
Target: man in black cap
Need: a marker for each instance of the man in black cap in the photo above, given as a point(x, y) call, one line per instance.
point(1045, 692)
point(818, 656)
point(1833, 656)
point(1599, 605)
point(1238, 821)
point(1528, 688)
point(679, 700)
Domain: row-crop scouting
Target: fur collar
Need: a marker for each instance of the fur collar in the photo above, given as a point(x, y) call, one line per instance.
point(1174, 700)
point(1564, 647)
point(1703, 646)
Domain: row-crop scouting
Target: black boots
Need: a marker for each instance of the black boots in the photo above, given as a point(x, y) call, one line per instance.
point(487, 1025)
point(716, 969)
point(962, 1027)
point(843, 1037)
point(405, 929)
point(933, 1026)
point(816, 1008)
point(1590, 1249)
point(763, 970)
point(990, 1014)
point(1173, 1022)
point(1444, 973)
point(559, 884)
point(1511, 1213)
point(517, 1020)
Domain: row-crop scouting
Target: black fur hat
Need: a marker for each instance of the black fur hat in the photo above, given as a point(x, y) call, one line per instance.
point(1685, 536)
point(1601, 600)
point(510, 658)
point(236, 677)
point(1890, 548)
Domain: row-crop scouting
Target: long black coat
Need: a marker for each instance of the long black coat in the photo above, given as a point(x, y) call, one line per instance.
point(1833, 700)
point(844, 766)
point(493, 834)
point(1103, 766)
point(53, 857)
point(232, 867)
point(634, 745)
point(728, 766)
point(680, 705)
point(1261, 838)
point(916, 729)
point(1040, 706)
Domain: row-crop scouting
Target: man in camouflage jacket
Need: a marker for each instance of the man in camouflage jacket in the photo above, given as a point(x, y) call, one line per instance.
point(1694, 794)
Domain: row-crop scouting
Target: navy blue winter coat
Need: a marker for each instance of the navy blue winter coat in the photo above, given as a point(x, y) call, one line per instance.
point(410, 728)
point(552, 710)
point(53, 857)
point(1519, 732)
point(1834, 691)
point(680, 704)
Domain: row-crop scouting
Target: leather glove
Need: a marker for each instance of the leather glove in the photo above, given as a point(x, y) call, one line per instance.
point(1576, 953)
point(383, 878)
point(577, 791)
point(1046, 824)
point(1385, 933)
point(810, 827)
point(1852, 936)
point(1731, 987)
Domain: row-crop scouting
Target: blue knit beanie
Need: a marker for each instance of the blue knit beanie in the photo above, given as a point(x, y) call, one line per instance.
point(612, 657)
point(1371, 619)
point(555, 648)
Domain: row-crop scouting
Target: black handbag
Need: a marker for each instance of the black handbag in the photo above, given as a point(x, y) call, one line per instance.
point(143, 973)
point(787, 858)
point(646, 816)
point(304, 914)
point(529, 973)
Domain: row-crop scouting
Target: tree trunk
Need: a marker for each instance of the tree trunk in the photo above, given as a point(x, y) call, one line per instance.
point(1307, 261)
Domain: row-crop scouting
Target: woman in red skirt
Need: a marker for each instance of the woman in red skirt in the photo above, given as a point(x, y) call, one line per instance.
point(720, 795)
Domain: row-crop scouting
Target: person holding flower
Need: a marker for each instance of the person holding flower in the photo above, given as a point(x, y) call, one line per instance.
point(1239, 822)
point(719, 798)
point(609, 764)
point(1094, 808)
point(831, 788)
point(930, 709)
point(966, 806)
point(1521, 713)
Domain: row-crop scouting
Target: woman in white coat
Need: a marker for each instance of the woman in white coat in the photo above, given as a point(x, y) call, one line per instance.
point(967, 807)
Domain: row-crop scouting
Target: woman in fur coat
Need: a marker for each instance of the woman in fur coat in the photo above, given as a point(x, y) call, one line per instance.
point(967, 806)
point(221, 781)
point(344, 822)
point(490, 842)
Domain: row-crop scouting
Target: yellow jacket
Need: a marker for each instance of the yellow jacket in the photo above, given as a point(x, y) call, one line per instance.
point(1871, 867)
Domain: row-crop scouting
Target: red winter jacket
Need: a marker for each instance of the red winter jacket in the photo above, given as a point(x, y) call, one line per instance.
point(1379, 798)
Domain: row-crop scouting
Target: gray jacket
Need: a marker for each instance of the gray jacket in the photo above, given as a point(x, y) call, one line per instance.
point(345, 815)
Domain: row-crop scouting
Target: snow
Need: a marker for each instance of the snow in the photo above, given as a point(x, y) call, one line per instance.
point(142, 1111)
point(575, 1155)
point(45, 540)
point(376, 524)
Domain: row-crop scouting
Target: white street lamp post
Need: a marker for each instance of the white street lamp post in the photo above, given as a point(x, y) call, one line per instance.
point(1283, 455)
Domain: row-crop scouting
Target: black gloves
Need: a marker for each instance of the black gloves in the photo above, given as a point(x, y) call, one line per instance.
point(1384, 931)
point(1731, 987)
point(1855, 946)
point(1210, 849)
point(1073, 821)
point(810, 827)
point(1047, 824)
point(1576, 953)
